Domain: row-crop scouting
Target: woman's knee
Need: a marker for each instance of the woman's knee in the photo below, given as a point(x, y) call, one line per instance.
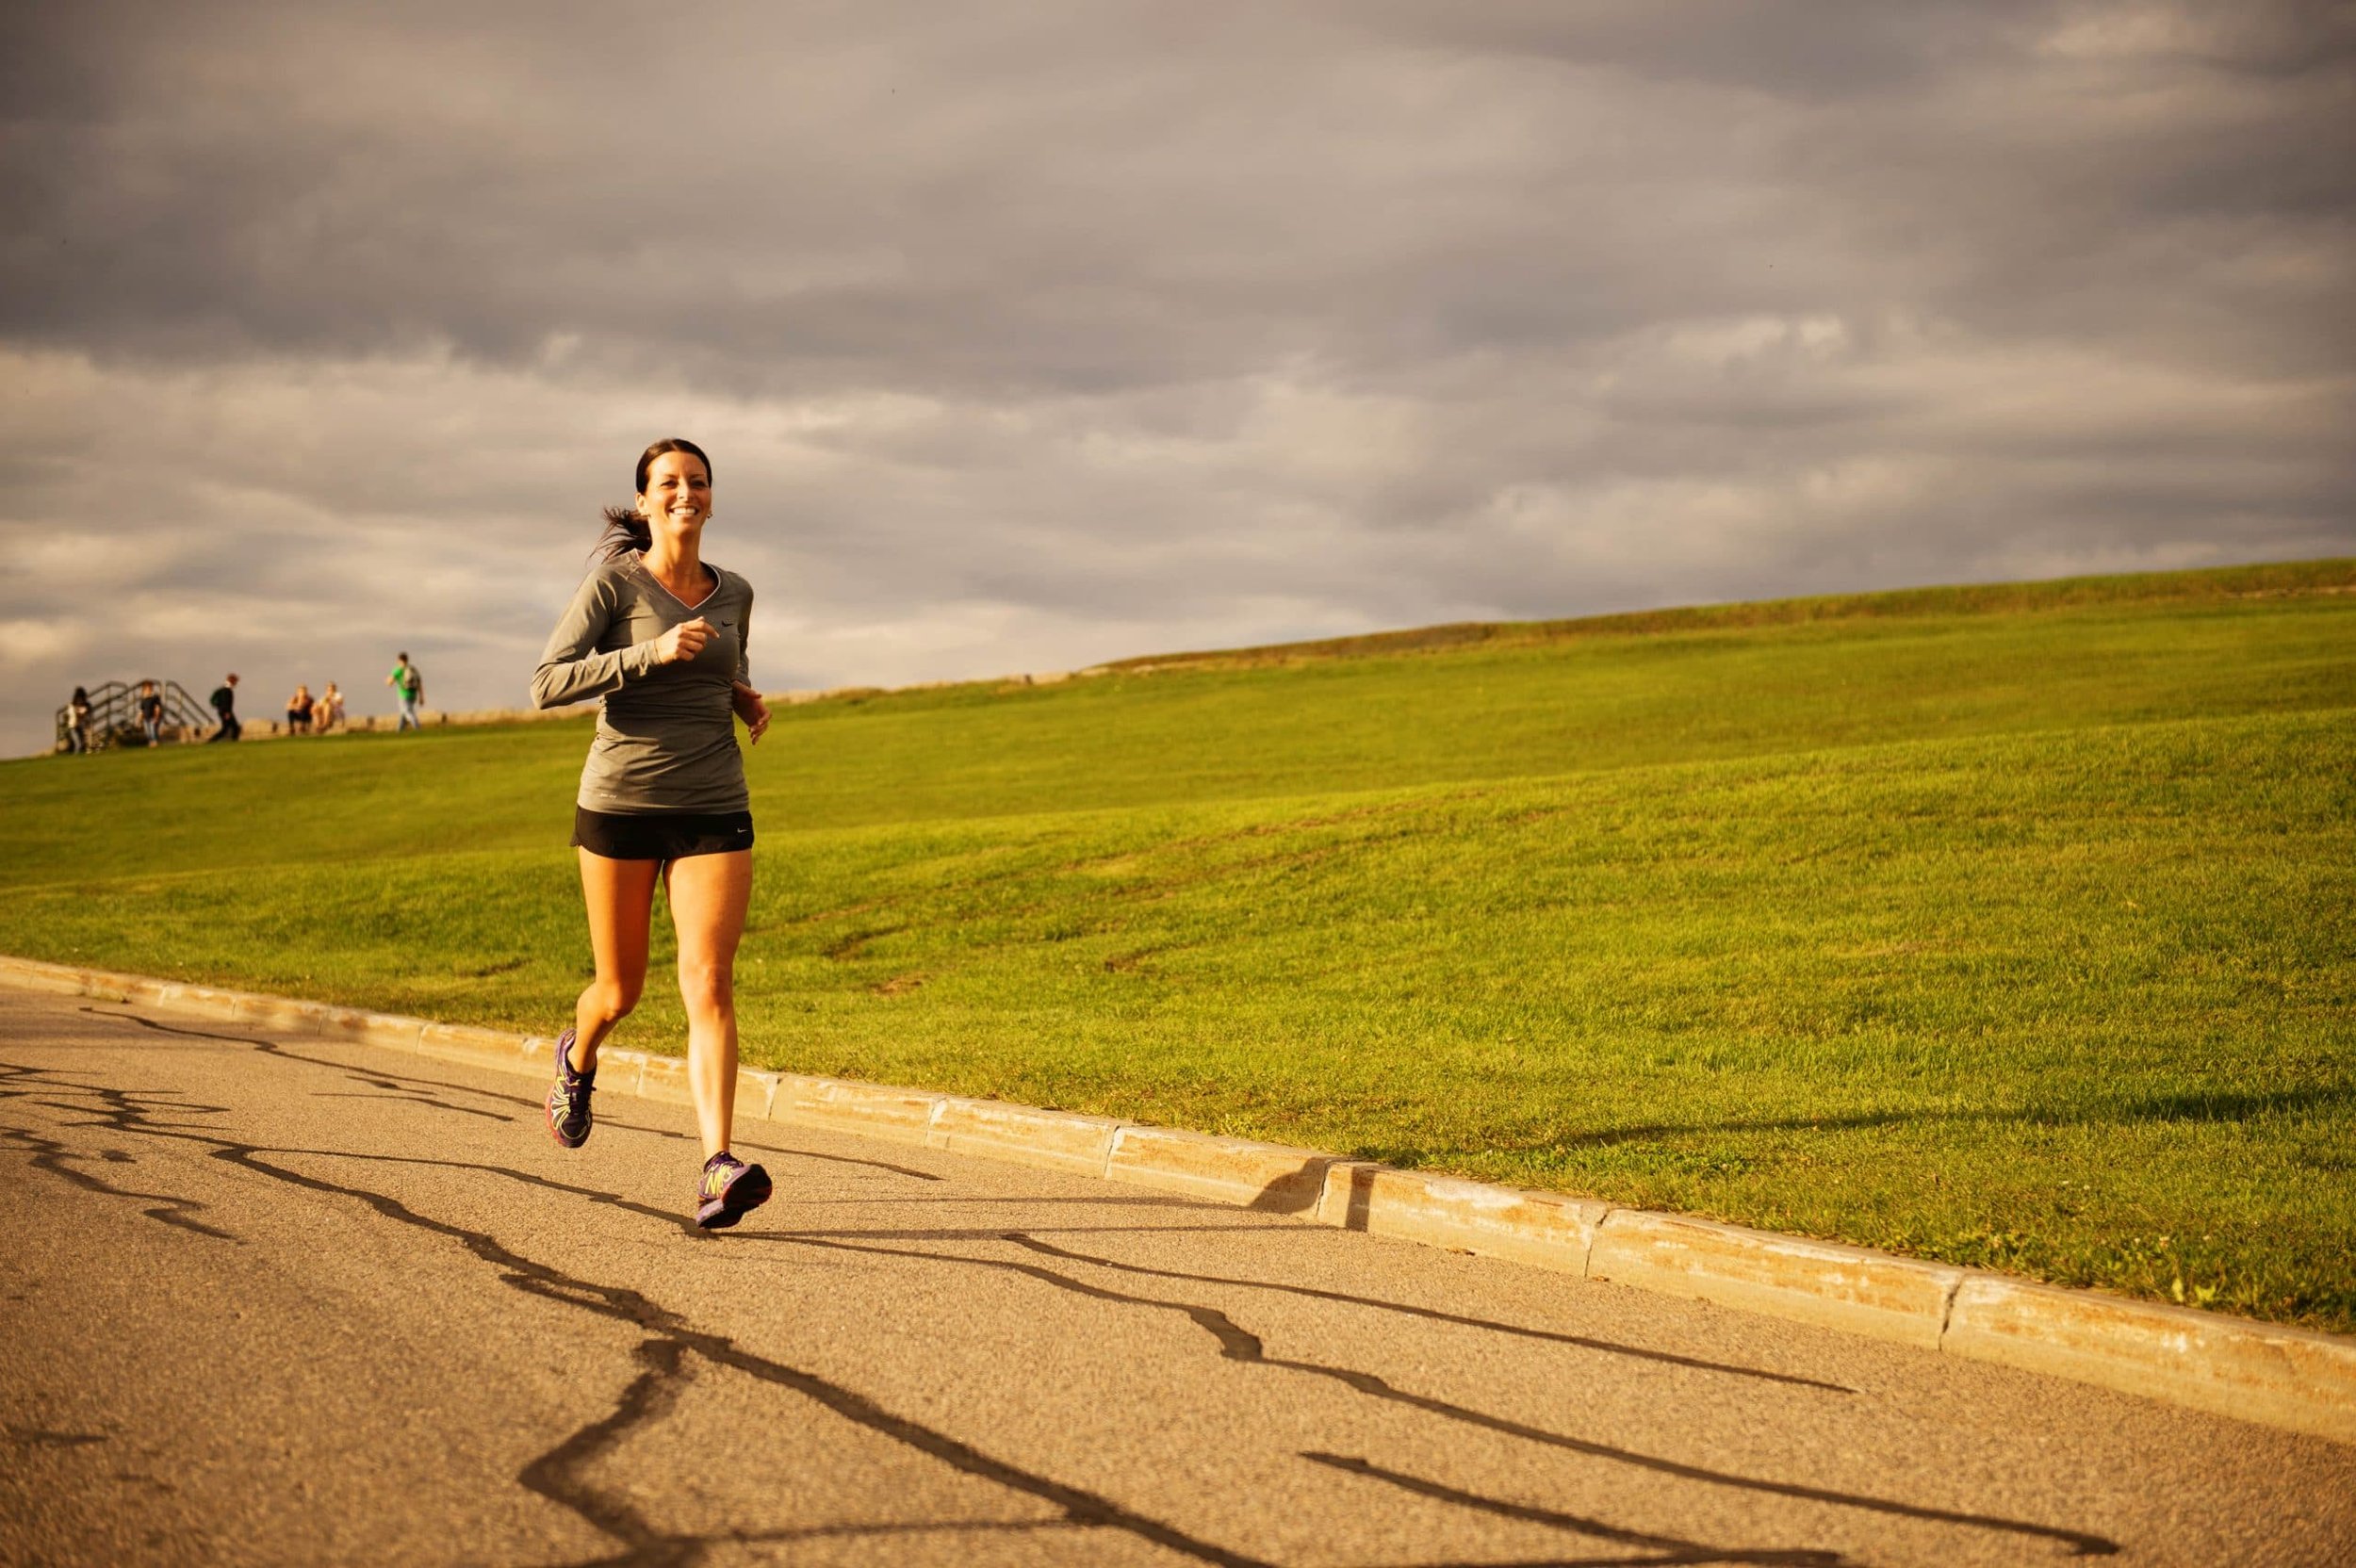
point(615, 999)
point(706, 986)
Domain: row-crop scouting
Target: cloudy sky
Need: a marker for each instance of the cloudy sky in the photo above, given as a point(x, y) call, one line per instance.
point(1034, 333)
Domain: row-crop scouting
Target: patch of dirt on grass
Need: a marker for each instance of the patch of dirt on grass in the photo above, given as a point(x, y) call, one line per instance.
point(852, 945)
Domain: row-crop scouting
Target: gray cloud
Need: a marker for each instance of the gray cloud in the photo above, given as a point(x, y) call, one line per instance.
point(1054, 333)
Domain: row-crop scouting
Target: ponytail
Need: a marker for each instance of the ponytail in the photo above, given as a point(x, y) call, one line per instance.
point(625, 533)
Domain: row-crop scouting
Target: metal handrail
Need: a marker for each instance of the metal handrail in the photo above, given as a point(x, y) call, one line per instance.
point(114, 715)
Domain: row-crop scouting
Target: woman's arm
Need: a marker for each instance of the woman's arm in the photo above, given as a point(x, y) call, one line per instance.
point(571, 669)
point(744, 696)
point(746, 702)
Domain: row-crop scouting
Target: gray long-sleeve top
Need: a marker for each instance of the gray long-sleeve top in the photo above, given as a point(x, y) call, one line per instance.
point(666, 733)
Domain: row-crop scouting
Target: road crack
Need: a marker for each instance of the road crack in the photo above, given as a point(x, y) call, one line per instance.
point(664, 1358)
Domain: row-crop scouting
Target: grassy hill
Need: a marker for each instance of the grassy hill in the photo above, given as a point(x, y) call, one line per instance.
point(2009, 925)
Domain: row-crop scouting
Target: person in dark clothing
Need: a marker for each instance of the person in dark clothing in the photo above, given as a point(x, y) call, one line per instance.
point(225, 704)
point(152, 712)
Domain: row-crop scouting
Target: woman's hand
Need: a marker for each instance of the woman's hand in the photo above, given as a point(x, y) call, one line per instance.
point(683, 642)
point(749, 705)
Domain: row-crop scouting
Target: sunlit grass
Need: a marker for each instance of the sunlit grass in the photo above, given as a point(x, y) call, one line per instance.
point(2020, 938)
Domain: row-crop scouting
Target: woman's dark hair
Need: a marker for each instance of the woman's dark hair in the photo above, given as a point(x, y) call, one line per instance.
point(79, 695)
point(626, 531)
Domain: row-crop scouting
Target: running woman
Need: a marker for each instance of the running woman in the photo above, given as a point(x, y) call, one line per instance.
point(661, 634)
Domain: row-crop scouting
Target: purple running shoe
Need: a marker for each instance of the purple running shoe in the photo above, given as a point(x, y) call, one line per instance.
point(568, 1098)
point(730, 1190)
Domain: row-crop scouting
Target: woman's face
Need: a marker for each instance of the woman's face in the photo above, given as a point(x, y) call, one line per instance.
point(678, 496)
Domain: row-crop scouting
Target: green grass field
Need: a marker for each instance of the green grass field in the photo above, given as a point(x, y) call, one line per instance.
point(2010, 926)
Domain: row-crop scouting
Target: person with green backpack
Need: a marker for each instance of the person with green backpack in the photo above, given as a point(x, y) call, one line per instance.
point(409, 686)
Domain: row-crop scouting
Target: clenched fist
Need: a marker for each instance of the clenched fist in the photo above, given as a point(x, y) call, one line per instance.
point(683, 642)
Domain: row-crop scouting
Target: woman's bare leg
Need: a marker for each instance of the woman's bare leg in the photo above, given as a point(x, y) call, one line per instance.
point(709, 896)
point(621, 897)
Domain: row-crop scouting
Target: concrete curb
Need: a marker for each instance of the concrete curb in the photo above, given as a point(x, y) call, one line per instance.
point(2260, 1372)
point(871, 1110)
point(1265, 1176)
point(2288, 1377)
point(1850, 1288)
point(1055, 1140)
point(1544, 1229)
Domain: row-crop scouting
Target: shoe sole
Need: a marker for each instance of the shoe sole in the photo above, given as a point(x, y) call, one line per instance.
point(755, 1187)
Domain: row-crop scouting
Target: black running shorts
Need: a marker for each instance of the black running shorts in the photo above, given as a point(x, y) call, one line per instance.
point(660, 835)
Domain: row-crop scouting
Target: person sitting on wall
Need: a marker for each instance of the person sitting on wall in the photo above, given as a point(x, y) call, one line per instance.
point(299, 712)
point(328, 712)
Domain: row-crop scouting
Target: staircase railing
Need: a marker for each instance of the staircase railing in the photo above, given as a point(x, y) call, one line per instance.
point(114, 715)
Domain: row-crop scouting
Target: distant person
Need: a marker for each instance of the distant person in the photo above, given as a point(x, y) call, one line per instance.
point(151, 712)
point(299, 712)
point(409, 686)
point(328, 712)
point(660, 635)
point(77, 722)
point(225, 704)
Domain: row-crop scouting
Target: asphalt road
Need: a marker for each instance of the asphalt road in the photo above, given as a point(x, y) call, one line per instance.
point(272, 1300)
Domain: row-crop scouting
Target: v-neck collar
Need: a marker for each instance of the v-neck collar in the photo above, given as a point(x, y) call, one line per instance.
point(707, 565)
